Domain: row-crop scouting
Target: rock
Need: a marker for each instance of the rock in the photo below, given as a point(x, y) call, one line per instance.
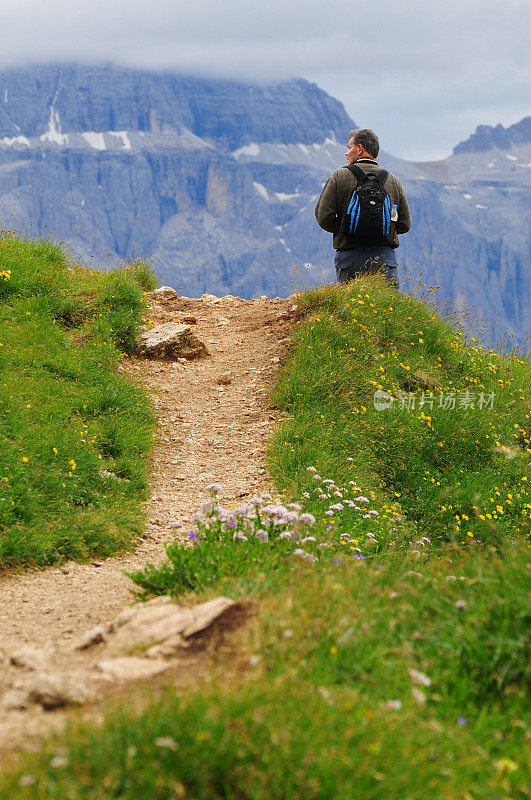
point(30, 658)
point(162, 623)
point(131, 668)
point(164, 293)
point(189, 320)
point(171, 341)
point(15, 699)
point(58, 690)
point(224, 379)
point(94, 636)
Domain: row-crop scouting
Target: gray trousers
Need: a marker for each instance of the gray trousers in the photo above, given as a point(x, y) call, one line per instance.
point(358, 261)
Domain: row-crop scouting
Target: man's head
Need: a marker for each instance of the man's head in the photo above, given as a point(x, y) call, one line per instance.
point(362, 142)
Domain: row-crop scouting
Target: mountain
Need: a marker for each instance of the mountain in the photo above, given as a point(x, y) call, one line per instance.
point(217, 181)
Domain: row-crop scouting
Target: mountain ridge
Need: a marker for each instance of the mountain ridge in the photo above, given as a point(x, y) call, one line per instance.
point(217, 180)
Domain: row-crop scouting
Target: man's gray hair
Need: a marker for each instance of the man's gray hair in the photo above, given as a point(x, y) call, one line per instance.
point(367, 138)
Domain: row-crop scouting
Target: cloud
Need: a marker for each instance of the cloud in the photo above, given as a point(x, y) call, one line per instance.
point(402, 64)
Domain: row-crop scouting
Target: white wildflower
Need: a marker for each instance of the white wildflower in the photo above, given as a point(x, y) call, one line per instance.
point(419, 678)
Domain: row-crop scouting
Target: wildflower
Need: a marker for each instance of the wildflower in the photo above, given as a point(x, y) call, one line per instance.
point(295, 506)
point(290, 516)
point(361, 499)
point(336, 507)
point(175, 525)
point(462, 721)
point(418, 696)
point(460, 604)
point(415, 574)
point(286, 535)
point(316, 477)
point(311, 469)
point(304, 556)
point(392, 705)
point(239, 535)
point(505, 765)
point(214, 488)
point(451, 578)
point(419, 678)
point(193, 536)
point(207, 507)
point(306, 495)
point(307, 519)
point(166, 742)
point(262, 535)
point(358, 555)
point(338, 561)
point(329, 513)
point(328, 481)
point(366, 516)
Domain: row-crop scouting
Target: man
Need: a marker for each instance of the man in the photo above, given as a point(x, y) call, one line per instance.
point(354, 258)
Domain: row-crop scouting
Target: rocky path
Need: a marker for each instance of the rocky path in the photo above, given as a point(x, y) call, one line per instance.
point(214, 422)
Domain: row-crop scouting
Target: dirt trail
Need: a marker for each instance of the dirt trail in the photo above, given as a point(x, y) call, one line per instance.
point(207, 432)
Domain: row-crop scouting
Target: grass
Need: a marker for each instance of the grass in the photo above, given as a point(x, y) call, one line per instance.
point(387, 657)
point(74, 433)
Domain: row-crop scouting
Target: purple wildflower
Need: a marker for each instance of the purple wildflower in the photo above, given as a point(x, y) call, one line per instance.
point(193, 536)
point(462, 721)
point(338, 561)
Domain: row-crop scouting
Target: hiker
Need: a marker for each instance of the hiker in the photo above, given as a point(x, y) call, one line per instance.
point(365, 214)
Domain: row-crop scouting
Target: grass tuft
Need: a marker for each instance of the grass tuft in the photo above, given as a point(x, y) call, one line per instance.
point(74, 433)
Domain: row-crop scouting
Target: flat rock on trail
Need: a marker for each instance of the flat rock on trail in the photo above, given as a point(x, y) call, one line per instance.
point(214, 421)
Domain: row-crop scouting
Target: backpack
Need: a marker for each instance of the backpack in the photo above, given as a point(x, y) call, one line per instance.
point(368, 216)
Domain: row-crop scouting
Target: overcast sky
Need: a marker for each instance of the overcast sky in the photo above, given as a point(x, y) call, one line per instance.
point(422, 74)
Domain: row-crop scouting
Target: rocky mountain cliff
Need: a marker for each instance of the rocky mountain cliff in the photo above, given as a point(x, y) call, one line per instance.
point(217, 182)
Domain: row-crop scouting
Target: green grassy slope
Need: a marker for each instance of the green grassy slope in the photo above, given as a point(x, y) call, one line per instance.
point(73, 432)
point(387, 657)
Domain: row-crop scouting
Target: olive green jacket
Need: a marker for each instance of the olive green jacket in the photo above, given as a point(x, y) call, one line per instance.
point(337, 191)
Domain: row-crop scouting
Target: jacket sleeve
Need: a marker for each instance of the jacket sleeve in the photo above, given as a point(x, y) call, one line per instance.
point(403, 223)
point(326, 210)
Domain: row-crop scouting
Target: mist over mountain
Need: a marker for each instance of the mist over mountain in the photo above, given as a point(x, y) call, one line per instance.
point(217, 180)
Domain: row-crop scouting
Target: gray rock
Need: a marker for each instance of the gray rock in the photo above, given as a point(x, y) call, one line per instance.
point(94, 636)
point(58, 690)
point(29, 657)
point(15, 699)
point(164, 293)
point(161, 626)
point(130, 668)
point(170, 341)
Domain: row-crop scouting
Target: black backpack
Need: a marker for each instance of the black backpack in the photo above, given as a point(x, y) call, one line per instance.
point(368, 216)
